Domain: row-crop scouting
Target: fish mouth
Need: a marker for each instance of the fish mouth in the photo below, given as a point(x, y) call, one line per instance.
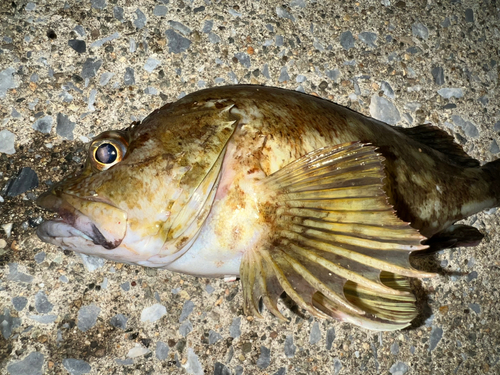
point(92, 220)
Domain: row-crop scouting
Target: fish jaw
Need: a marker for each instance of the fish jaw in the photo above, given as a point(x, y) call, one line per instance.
point(95, 221)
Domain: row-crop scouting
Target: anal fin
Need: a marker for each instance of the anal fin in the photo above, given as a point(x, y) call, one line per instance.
point(458, 235)
point(338, 249)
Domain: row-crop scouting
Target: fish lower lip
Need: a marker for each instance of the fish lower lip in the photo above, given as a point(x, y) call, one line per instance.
point(59, 229)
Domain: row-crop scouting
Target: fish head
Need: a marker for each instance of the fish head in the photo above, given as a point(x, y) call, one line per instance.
point(143, 193)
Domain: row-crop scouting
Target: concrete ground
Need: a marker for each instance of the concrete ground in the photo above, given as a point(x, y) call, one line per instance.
point(69, 70)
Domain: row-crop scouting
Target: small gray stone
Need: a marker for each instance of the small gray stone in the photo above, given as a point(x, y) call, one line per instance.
point(209, 289)
point(265, 71)
point(187, 309)
point(283, 13)
point(30, 6)
point(91, 100)
point(213, 337)
point(284, 75)
point(368, 38)
point(119, 321)
point(279, 40)
point(125, 286)
point(26, 180)
point(185, 328)
point(17, 276)
point(438, 75)
point(395, 348)
point(98, 4)
point(330, 337)
point(234, 13)
point(468, 127)
point(7, 81)
point(469, 15)
point(315, 335)
point(193, 365)
point(472, 276)
point(475, 307)
point(129, 77)
point(337, 366)
point(8, 323)
point(65, 126)
point(43, 125)
point(105, 77)
point(34, 77)
point(90, 67)
point(334, 74)
point(419, 30)
point(15, 114)
point(92, 263)
point(238, 370)
point(213, 38)
point(281, 371)
point(298, 3)
point(101, 42)
point(118, 13)
point(383, 110)
point(78, 45)
point(124, 362)
point(244, 59)
point(7, 142)
point(399, 368)
point(494, 149)
point(451, 92)
point(496, 127)
point(40, 257)
point(435, 337)
point(19, 303)
point(44, 319)
point(76, 366)
point(183, 29)
point(153, 313)
point(264, 358)
point(387, 89)
point(176, 42)
point(220, 369)
point(141, 20)
point(63, 279)
point(162, 351)
point(160, 10)
point(42, 304)
point(31, 364)
point(347, 40)
point(234, 328)
point(207, 26)
point(290, 347)
point(80, 30)
point(87, 317)
point(151, 64)
point(151, 91)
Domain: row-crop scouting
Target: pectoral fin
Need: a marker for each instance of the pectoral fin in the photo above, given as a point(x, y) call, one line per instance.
point(338, 248)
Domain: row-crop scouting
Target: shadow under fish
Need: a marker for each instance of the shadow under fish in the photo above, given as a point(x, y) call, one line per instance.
point(289, 192)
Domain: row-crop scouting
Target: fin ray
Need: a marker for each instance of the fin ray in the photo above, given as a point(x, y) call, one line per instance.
point(338, 249)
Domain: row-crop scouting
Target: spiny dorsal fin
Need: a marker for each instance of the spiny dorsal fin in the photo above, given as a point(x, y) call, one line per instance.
point(338, 250)
point(440, 141)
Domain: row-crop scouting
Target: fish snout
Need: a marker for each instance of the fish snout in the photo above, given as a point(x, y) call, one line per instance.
point(95, 220)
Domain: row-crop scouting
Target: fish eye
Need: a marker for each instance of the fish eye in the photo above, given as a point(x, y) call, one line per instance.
point(107, 152)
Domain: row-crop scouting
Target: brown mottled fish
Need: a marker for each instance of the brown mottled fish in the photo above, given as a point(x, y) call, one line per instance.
point(289, 192)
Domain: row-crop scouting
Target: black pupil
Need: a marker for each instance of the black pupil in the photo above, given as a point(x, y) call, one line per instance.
point(106, 153)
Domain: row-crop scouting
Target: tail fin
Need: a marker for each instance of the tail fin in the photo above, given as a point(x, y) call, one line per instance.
point(492, 170)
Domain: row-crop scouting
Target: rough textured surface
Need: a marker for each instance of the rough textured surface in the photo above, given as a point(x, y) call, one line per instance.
point(427, 61)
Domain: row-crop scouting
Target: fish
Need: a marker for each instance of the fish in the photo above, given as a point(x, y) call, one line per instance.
point(289, 192)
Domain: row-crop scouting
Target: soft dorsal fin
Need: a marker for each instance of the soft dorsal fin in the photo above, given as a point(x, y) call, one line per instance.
point(441, 141)
point(338, 249)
